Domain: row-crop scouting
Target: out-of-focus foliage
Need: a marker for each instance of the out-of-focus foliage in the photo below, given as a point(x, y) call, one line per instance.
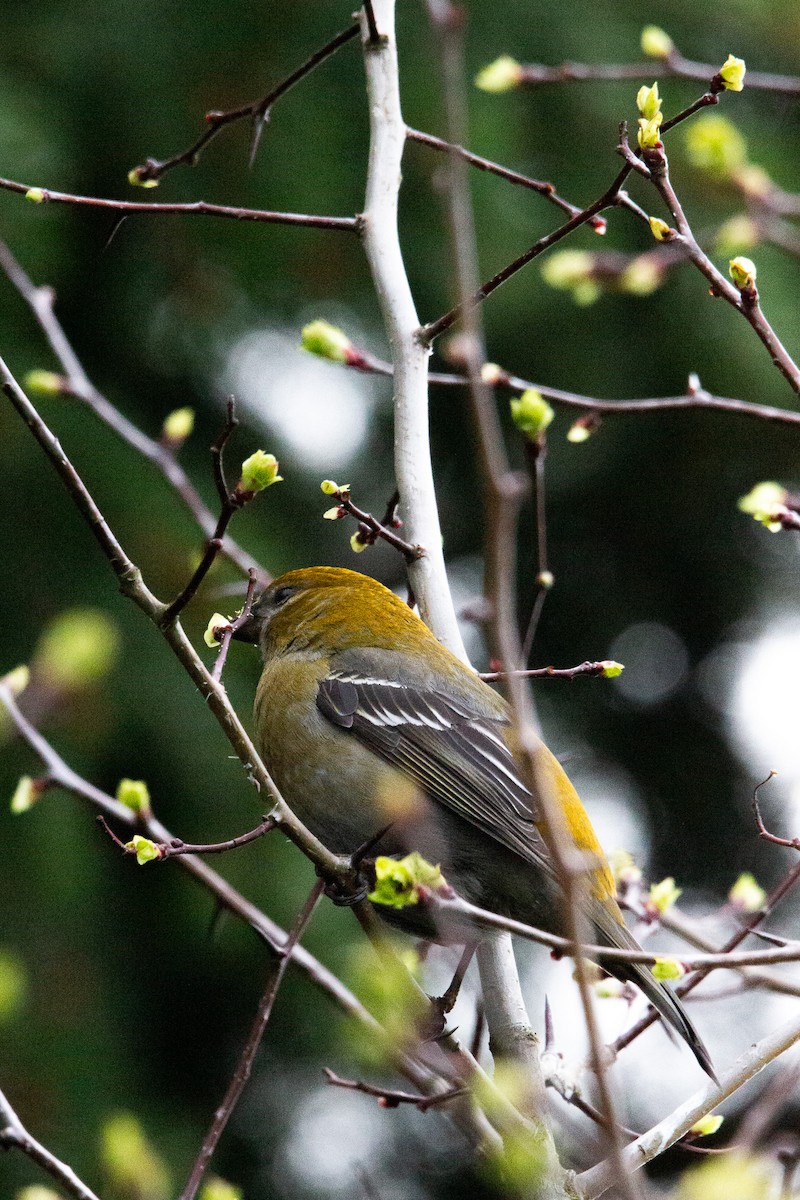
point(118, 988)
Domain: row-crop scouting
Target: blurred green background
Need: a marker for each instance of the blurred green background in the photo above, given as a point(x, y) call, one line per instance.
point(120, 992)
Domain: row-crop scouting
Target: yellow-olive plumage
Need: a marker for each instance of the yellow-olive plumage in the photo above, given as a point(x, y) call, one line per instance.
point(365, 721)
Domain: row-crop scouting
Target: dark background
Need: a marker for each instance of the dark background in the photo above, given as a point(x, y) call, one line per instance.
point(131, 1001)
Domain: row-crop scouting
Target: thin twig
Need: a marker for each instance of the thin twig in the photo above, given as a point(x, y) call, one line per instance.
point(674, 65)
point(258, 112)
point(485, 164)
point(390, 1097)
point(780, 890)
point(235, 625)
point(598, 1179)
point(14, 1134)
point(196, 208)
point(427, 333)
point(695, 398)
point(77, 384)
point(592, 669)
point(245, 1064)
point(744, 301)
point(175, 846)
point(224, 894)
point(370, 528)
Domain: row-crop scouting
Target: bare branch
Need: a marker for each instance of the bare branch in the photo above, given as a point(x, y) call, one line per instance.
point(197, 208)
point(14, 1133)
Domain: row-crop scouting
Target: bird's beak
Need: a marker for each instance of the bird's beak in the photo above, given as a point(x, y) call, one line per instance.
point(248, 631)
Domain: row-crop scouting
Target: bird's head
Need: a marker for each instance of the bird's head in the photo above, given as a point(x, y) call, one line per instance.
point(322, 610)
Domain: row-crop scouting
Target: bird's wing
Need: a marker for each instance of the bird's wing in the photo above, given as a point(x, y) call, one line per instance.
point(456, 754)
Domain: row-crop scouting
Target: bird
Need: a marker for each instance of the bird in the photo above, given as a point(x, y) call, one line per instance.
point(376, 734)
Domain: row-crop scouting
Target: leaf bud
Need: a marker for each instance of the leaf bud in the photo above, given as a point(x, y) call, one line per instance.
point(178, 425)
point(531, 413)
point(215, 629)
point(326, 341)
point(502, 75)
point(747, 894)
point(660, 230)
point(134, 794)
point(732, 73)
point(137, 178)
point(648, 102)
point(743, 272)
point(707, 1125)
point(664, 894)
point(45, 383)
point(656, 43)
point(667, 969)
point(259, 471)
point(145, 850)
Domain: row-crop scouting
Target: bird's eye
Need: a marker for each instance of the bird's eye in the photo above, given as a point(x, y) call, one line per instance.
point(281, 595)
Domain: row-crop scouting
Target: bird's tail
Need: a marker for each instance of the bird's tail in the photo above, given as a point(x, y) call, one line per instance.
point(660, 995)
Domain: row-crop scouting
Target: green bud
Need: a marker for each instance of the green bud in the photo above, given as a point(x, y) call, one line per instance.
point(492, 374)
point(732, 73)
point(763, 500)
point(668, 968)
point(707, 1125)
point(502, 75)
point(329, 488)
point(26, 793)
point(611, 669)
point(642, 276)
point(746, 894)
point(215, 629)
point(397, 881)
point(13, 985)
point(259, 471)
point(649, 134)
point(44, 383)
point(545, 579)
point(219, 1189)
point(623, 867)
point(357, 544)
point(333, 514)
point(326, 341)
point(531, 413)
point(132, 1166)
point(134, 794)
point(145, 850)
point(737, 233)
point(36, 1192)
point(664, 894)
point(656, 43)
point(78, 649)
point(648, 102)
point(135, 179)
point(715, 145)
point(742, 271)
point(565, 269)
point(36, 195)
point(660, 229)
point(178, 425)
point(17, 680)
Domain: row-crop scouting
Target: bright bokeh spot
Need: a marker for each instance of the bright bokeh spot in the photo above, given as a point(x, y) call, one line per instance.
point(656, 663)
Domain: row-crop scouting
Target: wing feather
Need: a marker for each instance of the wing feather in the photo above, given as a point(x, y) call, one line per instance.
point(456, 754)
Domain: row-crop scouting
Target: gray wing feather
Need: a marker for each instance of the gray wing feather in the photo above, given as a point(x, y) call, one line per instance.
point(457, 755)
